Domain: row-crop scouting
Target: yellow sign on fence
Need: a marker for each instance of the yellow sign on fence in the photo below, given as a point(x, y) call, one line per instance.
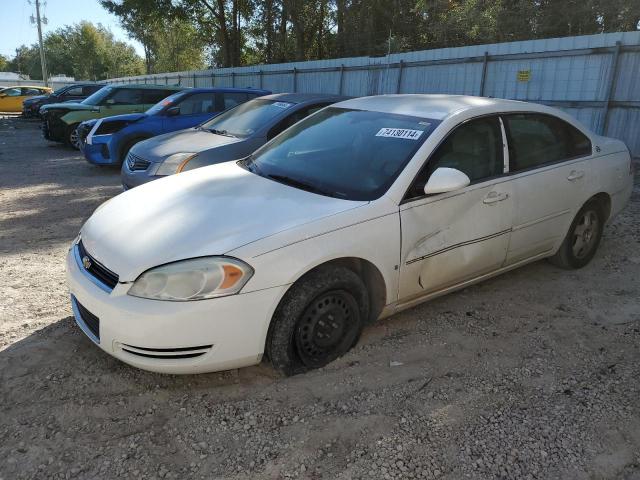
point(524, 75)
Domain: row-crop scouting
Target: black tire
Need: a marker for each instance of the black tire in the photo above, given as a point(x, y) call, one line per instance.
point(71, 136)
point(583, 238)
point(303, 335)
point(126, 147)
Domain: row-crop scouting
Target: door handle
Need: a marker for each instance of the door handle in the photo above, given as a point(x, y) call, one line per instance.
point(494, 197)
point(575, 175)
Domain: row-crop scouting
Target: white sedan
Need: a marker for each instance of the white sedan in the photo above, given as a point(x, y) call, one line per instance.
point(365, 208)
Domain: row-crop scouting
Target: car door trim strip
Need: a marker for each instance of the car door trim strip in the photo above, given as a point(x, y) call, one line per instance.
point(461, 244)
point(539, 220)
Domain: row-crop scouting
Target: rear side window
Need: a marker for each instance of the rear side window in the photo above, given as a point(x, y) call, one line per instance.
point(197, 104)
point(294, 118)
point(74, 92)
point(126, 96)
point(537, 139)
point(90, 89)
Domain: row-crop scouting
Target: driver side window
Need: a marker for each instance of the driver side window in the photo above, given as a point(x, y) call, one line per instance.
point(475, 148)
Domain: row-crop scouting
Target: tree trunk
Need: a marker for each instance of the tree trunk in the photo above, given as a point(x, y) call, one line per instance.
point(282, 54)
point(340, 13)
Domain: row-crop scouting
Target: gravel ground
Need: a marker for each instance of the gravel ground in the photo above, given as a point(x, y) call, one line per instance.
point(534, 374)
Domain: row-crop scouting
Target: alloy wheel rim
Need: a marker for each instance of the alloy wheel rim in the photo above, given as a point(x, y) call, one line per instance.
point(585, 234)
point(325, 327)
point(74, 139)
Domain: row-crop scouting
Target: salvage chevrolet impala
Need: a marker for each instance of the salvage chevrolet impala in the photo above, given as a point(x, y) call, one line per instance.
point(362, 209)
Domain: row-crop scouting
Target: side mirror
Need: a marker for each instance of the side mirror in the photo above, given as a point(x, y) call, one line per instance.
point(173, 111)
point(446, 180)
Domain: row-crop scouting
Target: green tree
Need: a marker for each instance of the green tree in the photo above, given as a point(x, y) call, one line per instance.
point(178, 47)
point(84, 51)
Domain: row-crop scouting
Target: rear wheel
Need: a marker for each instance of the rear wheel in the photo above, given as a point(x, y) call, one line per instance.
point(71, 136)
point(319, 319)
point(581, 243)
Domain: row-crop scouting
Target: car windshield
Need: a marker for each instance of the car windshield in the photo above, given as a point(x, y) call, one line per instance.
point(243, 120)
point(165, 102)
point(57, 92)
point(342, 153)
point(98, 96)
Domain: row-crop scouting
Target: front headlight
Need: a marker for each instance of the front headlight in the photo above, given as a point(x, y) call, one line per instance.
point(194, 279)
point(173, 163)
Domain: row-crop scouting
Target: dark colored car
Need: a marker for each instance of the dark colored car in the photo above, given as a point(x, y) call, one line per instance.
point(232, 135)
point(106, 141)
point(69, 93)
point(61, 120)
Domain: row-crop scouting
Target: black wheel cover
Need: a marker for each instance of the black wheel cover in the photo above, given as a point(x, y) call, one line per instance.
point(327, 328)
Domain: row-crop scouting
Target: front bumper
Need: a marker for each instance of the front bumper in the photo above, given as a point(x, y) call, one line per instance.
point(172, 337)
point(53, 130)
point(97, 152)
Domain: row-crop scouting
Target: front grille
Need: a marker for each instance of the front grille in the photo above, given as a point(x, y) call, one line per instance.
point(167, 353)
point(135, 163)
point(89, 319)
point(83, 132)
point(96, 269)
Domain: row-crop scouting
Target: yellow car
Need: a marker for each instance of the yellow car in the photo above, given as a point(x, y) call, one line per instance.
point(11, 98)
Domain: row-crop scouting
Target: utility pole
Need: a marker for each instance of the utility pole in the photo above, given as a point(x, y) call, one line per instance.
point(43, 60)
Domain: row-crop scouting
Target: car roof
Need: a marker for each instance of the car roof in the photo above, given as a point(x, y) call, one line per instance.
point(228, 90)
point(145, 86)
point(40, 87)
point(71, 85)
point(305, 97)
point(437, 107)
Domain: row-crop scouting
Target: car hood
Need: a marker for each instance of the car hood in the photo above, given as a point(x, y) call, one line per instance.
point(209, 211)
point(69, 106)
point(157, 149)
point(128, 117)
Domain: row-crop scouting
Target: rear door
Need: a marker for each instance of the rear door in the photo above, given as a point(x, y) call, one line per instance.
point(452, 237)
point(548, 161)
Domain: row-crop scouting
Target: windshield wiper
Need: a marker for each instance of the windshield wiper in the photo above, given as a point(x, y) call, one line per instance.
point(300, 184)
point(224, 133)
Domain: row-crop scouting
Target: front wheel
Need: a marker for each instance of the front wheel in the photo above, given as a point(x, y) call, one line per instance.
point(583, 238)
point(318, 320)
point(71, 137)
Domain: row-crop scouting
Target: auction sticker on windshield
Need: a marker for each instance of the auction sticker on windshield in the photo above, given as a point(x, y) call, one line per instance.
point(399, 133)
point(282, 104)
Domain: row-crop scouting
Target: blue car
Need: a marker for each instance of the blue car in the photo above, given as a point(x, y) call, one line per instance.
point(106, 141)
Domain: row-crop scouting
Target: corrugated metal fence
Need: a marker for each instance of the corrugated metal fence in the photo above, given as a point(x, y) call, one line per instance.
point(595, 78)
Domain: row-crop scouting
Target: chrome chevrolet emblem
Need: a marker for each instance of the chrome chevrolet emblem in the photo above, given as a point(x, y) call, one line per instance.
point(86, 262)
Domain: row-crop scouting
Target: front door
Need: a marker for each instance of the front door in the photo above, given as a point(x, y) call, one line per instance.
point(452, 237)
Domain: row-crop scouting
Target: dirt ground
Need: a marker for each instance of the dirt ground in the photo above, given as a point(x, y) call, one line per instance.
point(535, 374)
